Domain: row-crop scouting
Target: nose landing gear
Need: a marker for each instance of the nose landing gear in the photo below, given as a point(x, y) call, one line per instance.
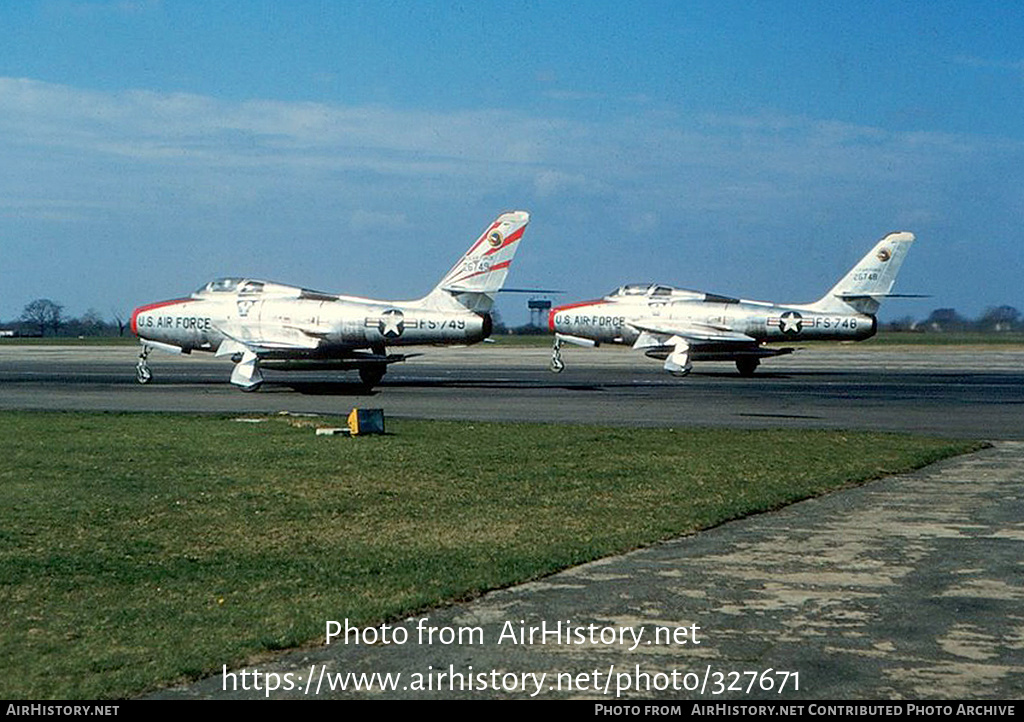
point(557, 364)
point(142, 373)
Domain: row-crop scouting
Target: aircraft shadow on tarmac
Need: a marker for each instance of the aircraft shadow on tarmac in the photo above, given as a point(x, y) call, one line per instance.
point(352, 388)
point(736, 378)
point(341, 388)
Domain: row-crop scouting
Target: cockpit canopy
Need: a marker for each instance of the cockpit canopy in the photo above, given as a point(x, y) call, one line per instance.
point(251, 287)
point(655, 290)
point(658, 292)
point(230, 285)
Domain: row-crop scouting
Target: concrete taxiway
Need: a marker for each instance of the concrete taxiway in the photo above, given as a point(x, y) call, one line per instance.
point(954, 392)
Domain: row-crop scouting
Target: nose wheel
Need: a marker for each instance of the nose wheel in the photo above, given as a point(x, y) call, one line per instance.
point(557, 364)
point(142, 373)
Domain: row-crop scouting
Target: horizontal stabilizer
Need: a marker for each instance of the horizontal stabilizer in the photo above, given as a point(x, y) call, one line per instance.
point(528, 290)
point(851, 296)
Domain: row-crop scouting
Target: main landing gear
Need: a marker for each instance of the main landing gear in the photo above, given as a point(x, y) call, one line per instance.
point(246, 375)
point(142, 373)
point(746, 365)
point(371, 374)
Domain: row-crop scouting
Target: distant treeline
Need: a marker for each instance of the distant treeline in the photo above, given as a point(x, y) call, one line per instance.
point(995, 318)
point(44, 317)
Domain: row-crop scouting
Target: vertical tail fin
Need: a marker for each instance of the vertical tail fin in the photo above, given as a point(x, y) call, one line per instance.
point(475, 280)
point(871, 279)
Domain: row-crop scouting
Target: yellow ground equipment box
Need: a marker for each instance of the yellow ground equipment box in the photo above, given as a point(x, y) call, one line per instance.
point(366, 421)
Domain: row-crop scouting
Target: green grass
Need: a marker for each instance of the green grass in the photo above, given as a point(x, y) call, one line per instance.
point(142, 550)
point(914, 342)
point(951, 338)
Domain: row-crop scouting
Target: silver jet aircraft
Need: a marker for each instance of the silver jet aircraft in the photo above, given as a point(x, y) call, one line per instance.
point(680, 326)
point(269, 325)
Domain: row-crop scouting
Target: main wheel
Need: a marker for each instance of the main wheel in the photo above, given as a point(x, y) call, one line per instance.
point(747, 365)
point(372, 374)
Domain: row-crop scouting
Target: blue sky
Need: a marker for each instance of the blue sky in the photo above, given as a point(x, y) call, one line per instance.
point(755, 149)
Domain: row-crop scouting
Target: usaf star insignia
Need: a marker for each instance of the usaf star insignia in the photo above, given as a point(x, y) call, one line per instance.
point(391, 324)
point(791, 322)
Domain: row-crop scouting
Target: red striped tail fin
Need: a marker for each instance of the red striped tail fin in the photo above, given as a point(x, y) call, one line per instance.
point(476, 278)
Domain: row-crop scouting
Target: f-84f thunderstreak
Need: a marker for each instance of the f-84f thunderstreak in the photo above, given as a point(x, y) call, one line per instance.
point(680, 326)
point(269, 325)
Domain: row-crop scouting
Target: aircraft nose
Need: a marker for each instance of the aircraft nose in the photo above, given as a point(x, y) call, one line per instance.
point(135, 320)
point(554, 324)
point(561, 323)
point(151, 307)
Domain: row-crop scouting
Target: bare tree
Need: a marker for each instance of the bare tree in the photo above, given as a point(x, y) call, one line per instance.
point(999, 318)
point(945, 319)
point(91, 323)
point(121, 320)
point(44, 314)
point(903, 323)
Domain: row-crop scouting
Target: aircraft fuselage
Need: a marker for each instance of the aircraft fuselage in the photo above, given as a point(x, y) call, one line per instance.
point(679, 326)
point(258, 323)
point(326, 326)
point(612, 321)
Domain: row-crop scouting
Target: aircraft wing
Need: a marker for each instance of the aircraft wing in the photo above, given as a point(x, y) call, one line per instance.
point(259, 338)
point(252, 340)
point(678, 343)
point(660, 332)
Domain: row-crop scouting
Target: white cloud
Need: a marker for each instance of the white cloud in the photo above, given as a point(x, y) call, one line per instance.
point(146, 126)
point(550, 183)
point(180, 131)
point(143, 169)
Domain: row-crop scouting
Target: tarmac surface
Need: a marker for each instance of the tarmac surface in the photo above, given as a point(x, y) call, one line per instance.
point(910, 587)
point(964, 392)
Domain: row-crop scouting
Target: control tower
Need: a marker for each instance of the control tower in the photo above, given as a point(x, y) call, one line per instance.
point(539, 308)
